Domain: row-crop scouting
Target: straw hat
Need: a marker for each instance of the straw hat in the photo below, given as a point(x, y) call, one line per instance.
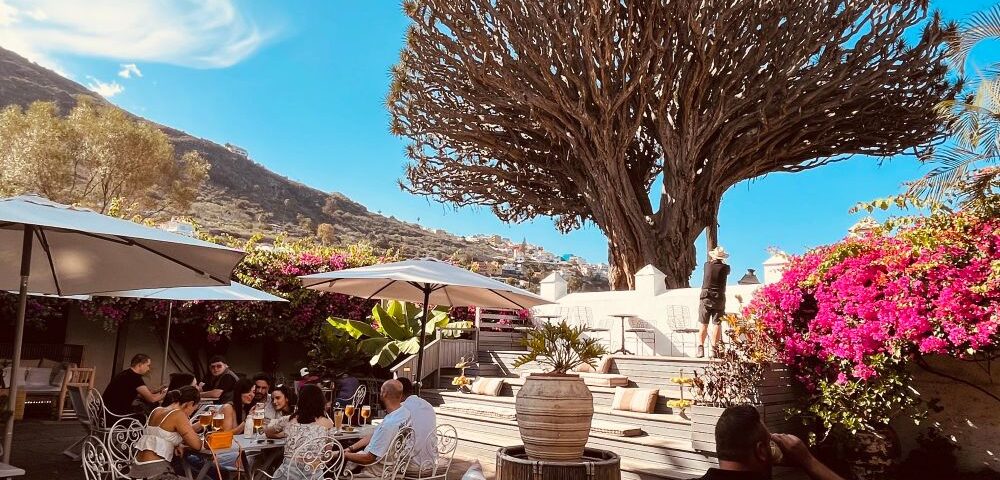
point(718, 253)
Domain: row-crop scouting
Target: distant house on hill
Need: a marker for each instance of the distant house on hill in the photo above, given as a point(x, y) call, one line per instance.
point(237, 150)
point(179, 227)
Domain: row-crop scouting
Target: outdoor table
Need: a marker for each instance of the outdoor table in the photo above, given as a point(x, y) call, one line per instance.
point(270, 451)
point(622, 317)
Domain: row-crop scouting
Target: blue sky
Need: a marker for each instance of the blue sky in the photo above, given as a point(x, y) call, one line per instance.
point(301, 86)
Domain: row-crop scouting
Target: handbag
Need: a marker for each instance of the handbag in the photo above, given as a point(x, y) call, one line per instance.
point(219, 440)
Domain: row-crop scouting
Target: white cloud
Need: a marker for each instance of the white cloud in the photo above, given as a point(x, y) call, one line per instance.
point(191, 33)
point(106, 90)
point(129, 69)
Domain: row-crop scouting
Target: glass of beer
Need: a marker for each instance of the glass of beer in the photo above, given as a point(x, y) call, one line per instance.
point(338, 418)
point(349, 411)
point(205, 419)
point(258, 424)
point(366, 412)
point(217, 421)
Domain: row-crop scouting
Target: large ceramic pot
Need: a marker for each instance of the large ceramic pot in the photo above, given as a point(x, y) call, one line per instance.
point(553, 414)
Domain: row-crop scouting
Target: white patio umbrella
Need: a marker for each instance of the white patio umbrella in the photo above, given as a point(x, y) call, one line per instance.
point(51, 248)
point(234, 292)
point(424, 281)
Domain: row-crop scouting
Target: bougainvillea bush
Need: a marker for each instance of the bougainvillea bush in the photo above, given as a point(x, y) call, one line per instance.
point(851, 318)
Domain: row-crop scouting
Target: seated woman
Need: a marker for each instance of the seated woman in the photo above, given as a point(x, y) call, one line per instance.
point(236, 412)
point(283, 401)
point(306, 423)
point(166, 430)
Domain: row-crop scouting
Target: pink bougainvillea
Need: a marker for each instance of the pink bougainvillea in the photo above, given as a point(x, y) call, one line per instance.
point(851, 312)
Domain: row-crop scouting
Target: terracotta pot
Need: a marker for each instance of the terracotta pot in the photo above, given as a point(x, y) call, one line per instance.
point(554, 414)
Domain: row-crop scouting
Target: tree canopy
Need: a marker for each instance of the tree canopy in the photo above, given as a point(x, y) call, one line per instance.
point(95, 156)
point(582, 111)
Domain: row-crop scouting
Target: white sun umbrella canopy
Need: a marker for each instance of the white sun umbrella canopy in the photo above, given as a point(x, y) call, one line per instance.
point(234, 292)
point(424, 281)
point(51, 248)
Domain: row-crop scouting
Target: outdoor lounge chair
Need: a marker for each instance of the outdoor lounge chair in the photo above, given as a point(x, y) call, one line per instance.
point(678, 321)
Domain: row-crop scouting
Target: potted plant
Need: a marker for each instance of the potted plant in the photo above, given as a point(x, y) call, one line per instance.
point(555, 408)
point(733, 377)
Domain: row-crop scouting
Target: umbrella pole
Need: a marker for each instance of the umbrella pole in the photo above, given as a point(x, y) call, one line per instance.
point(166, 343)
point(22, 302)
point(423, 329)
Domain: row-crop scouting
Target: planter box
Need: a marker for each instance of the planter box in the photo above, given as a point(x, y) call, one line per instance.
point(19, 407)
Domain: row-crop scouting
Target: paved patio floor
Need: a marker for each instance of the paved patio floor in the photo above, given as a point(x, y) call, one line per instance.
point(38, 445)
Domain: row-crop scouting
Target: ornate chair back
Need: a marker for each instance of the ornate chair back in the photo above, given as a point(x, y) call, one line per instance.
point(578, 316)
point(445, 443)
point(317, 458)
point(360, 396)
point(96, 460)
point(120, 443)
point(397, 460)
point(678, 318)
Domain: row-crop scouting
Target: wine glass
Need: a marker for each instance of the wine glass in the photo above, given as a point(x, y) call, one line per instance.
point(366, 411)
point(349, 411)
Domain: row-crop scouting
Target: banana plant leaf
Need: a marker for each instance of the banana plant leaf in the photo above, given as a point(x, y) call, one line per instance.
point(391, 325)
point(353, 328)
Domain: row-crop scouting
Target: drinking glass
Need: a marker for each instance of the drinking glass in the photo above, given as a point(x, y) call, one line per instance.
point(366, 411)
point(349, 411)
point(217, 421)
point(338, 418)
point(205, 419)
point(258, 423)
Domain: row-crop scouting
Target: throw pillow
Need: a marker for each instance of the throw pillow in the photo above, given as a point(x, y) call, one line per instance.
point(641, 400)
point(46, 363)
point(487, 386)
point(38, 376)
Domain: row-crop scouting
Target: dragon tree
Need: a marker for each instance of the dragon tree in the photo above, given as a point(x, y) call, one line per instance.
point(638, 115)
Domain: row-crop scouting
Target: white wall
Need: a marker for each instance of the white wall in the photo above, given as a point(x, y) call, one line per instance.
point(650, 308)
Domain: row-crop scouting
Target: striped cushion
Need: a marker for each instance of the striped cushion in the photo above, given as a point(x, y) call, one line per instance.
point(487, 386)
point(481, 410)
point(641, 400)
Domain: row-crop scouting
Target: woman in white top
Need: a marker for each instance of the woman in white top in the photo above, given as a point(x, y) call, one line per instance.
point(309, 421)
point(168, 428)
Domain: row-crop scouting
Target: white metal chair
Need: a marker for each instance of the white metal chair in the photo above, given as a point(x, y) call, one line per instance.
point(397, 460)
point(315, 459)
point(642, 331)
point(100, 417)
point(360, 396)
point(120, 444)
point(678, 321)
point(96, 460)
point(578, 316)
point(446, 443)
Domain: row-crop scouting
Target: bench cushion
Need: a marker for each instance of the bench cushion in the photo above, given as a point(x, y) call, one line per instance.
point(614, 429)
point(641, 400)
point(38, 376)
point(481, 410)
point(487, 386)
point(592, 379)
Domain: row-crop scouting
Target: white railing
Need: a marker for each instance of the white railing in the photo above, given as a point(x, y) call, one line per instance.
point(432, 359)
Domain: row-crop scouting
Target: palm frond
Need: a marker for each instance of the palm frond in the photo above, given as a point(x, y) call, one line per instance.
point(981, 26)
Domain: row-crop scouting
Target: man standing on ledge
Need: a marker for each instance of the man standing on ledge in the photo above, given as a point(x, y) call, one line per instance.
point(713, 298)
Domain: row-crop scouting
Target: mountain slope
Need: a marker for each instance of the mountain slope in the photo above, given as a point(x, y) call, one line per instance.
point(242, 197)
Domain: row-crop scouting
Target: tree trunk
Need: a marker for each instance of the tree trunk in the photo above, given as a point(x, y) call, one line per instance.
point(667, 241)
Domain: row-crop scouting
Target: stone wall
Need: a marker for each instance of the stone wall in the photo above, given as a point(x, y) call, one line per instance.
point(967, 416)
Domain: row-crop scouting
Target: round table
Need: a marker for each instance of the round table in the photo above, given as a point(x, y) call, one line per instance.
point(622, 317)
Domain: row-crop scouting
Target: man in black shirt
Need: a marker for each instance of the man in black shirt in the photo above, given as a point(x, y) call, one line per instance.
point(747, 451)
point(713, 297)
point(128, 384)
point(219, 385)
